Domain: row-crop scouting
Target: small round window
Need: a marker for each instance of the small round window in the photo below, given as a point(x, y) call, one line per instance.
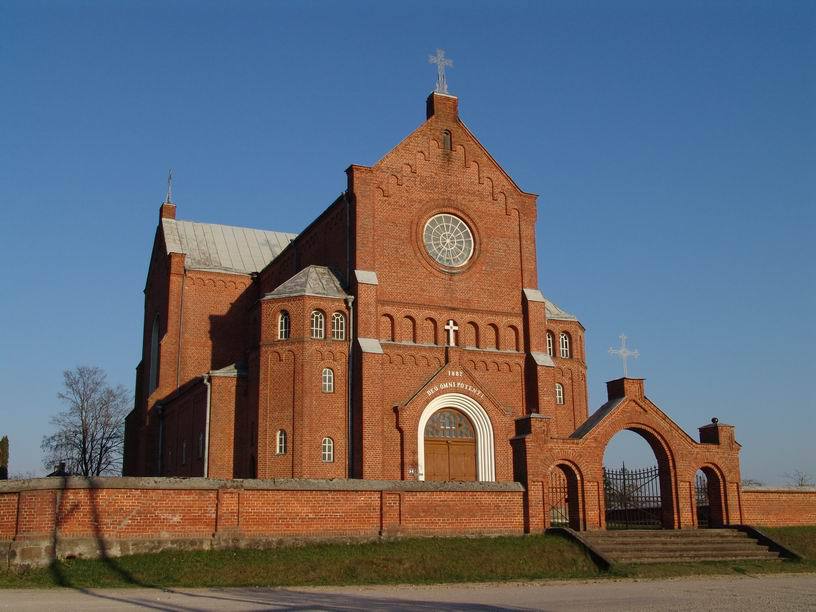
point(448, 240)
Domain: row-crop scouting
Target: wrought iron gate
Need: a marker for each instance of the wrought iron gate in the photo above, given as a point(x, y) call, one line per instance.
point(703, 503)
point(633, 498)
point(559, 500)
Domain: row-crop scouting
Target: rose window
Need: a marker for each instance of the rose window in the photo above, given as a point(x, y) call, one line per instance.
point(448, 240)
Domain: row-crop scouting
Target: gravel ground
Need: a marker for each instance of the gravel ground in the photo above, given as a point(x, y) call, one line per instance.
point(775, 592)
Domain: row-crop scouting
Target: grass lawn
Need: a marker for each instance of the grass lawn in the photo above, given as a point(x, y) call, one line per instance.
point(417, 561)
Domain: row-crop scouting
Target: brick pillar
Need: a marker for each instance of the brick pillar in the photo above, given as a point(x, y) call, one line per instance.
point(226, 517)
point(390, 513)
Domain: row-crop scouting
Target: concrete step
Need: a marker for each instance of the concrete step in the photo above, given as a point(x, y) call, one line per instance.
point(667, 546)
point(695, 560)
point(747, 546)
point(681, 534)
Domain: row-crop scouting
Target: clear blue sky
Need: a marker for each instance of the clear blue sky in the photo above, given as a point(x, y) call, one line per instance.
point(672, 145)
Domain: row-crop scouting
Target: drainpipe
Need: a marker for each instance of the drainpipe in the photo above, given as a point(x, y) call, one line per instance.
point(207, 429)
point(349, 374)
point(160, 412)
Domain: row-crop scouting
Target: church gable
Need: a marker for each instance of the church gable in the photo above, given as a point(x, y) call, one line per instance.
point(438, 215)
point(445, 140)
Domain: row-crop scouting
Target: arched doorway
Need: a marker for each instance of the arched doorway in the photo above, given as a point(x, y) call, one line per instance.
point(709, 498)
point(639, 496)
point(450, 446)
point(482, 428)
point(564, 498)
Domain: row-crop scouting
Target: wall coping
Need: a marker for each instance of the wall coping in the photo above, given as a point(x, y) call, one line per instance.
point(275, 484)
point(778, 489)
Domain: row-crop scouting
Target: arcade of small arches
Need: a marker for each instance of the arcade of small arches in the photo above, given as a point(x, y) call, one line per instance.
point(317, 325)
point(490, 336)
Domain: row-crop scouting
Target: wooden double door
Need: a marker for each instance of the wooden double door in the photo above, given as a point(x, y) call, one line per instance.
point(450, 447)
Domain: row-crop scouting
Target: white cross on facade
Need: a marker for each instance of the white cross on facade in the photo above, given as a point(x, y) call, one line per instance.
point(441, 61)
point(623, 353)
point(451, 328)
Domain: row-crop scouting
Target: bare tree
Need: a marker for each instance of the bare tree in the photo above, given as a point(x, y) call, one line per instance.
point(752, 482)
point(798, 478)
point(90, 432)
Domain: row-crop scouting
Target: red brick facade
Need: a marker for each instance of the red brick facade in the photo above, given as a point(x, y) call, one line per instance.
point(229, 382)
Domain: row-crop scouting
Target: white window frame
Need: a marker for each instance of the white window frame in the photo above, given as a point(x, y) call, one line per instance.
point(564, 345)
point(280, 448)
point(327, 380)
point(284, 325)
point(550, 344)
point(327, 450)
point(318, 325)
point(559, 394)
point(338, 326)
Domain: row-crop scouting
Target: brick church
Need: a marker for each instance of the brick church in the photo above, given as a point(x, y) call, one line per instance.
point(402, 335)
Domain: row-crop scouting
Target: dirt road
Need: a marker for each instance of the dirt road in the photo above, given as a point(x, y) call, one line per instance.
point(777, 592)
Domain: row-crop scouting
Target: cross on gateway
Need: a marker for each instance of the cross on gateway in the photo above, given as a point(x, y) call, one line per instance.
point(451, 327)
point(441, 61)
point(624, 353)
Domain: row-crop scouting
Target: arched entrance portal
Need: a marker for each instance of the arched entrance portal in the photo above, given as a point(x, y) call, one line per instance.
point(641, 497)
point(450, 446)
point(476, 417)
point(564, 496)
point(709, 498)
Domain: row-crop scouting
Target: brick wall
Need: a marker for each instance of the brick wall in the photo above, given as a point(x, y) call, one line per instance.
point(129, 515)
point(776, 507)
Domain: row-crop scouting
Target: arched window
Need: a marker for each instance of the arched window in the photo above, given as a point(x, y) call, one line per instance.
point(338, 326)
point(284, 325)
point(281, 446)
point(327, 450)
point(559, 393)
point(565, 345)
point(153, 378)
point(328, 380)
point(318, 325)
point(550, 344)
point(447, 142)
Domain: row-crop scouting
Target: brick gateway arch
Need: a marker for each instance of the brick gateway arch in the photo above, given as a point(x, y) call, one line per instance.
point(565, 479)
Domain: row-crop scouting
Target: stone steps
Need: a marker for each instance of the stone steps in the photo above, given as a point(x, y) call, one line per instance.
point(677, 546)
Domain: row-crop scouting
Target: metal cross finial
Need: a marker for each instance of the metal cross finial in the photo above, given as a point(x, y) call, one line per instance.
point(169, 198)
point(624, 353)
point(451, 328)
point(441, 61)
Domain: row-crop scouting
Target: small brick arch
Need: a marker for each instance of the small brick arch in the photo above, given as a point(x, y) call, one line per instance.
point(666, 465)
point(716, 489)
point(387, 327)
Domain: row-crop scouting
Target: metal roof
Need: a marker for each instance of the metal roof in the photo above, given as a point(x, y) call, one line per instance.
point(596, 417)
point(556, 313)
point(312, 280)
point(226, 248)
